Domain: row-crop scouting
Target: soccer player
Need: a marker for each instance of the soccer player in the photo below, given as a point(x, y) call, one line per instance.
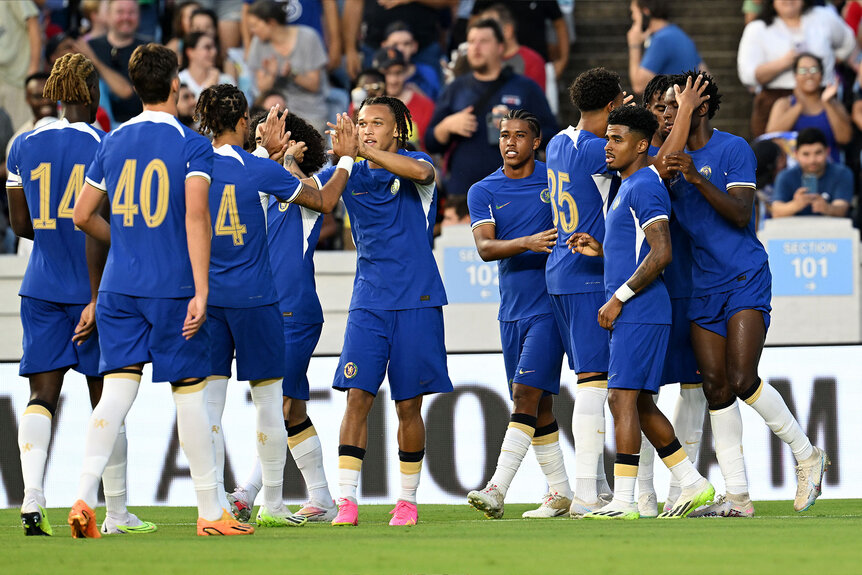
point(512, 224)
point(712, 189)
point(292, 234)
point(638, 315)
point(153, 295)
point(395, 322)
point(579, 185)
point(46, 171)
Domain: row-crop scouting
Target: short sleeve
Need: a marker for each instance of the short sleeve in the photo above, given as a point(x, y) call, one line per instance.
point(95, 175)
point(479, 204)
point(13, 173)
point(843, 186)
point(274, 180)
point(594, 155)
point(324, 176)
point(651, 202)
point(741, 166)
point(199, 157)
point(784, 188)
point(655, 57)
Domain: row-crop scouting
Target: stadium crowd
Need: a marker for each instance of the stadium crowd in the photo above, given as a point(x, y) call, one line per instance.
point(475, 79)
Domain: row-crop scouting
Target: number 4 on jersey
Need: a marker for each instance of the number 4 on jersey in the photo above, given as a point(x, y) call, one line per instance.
point(227, 220)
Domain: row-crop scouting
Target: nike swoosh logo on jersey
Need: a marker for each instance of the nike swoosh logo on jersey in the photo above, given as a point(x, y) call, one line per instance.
point(503, 206)
point(522, 372)
point(355, 193)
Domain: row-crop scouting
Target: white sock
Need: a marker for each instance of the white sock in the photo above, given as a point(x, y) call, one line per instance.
point(625, 477)
point(770, 405)
point(216, 394)
point(271, 439)
point(308, 455)
point(34, 436)
point(516, 442)
point(688, 425)
point(193, 428)
point(114, 478)
point(588, 426)
point(349, 469)
point(410, 473)
point(645, 467)
point(550, 458)
point(681, 467)
point(254, 483)
point(118, 394)
point(727, 433)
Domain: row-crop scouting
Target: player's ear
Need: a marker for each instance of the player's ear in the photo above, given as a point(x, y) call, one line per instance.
point(643, 146)
point(536, 143)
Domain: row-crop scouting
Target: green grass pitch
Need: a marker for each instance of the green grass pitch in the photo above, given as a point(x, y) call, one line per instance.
point(827, 539)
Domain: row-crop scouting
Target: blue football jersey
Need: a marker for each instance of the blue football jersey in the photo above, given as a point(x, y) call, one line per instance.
point(240, 272)
point(143, 166)
point(392, 222)
point(677, 275)
point(580, 185)
point(721, 252)
point(642, 200)
point(292, 232)
point(517, 208)
point(49, 163)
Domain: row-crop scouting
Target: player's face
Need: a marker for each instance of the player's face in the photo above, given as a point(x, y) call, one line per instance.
point(657, 107)
point(123, 17)
point(402, 41)
point(377, 127)
point(812, 158)
point(623, 147)
point(41, 106)
point(483, 50)
point(670, 112)
point(395, 77)
point(517, 143)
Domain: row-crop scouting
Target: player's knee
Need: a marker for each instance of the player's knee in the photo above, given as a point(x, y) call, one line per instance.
point(526, 398)
point(618, 400)
point(359, 401)
point(409, 409)
point(740, 381)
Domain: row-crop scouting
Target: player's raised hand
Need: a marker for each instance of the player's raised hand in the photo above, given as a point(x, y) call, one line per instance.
point(692, 95)
point(345, 137)
point(272, 134)
point(681, 163)
point(195, 317)
point(541, 242)
point(296, 149)
point(582, 243)
point(87, 324)
point(609, 313)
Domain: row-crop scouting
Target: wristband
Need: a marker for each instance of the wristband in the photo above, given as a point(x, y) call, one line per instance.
point(345, 163)
point(624, 293)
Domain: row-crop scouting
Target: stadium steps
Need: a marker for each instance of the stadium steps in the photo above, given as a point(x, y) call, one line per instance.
point(714, 25)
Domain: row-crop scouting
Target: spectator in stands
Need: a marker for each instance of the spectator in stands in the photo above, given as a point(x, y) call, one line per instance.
point(205, 20)
point(466, 121)
point(267, 100)
point(198, 68)
point(289, 58)
point(111, 53)
point(424, 77)
point(42, 110)
point(532, 19)
point(668, 49)
point(815, 186)
point(522, 59)
point(20, 55)
point(181, 24)
point(771, 160)
point(186, 106)
point(94, 14)
point(393, 65)
point(6, 131)
point(770, 45)
point(369, 83)
point(813, 106)
point(228, 15)
point(456, 212)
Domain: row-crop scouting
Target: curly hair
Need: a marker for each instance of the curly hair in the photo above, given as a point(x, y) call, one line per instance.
point(657, 85)
point(403, 119)
point(528, 117)
point(219, 108)
point(314, 157)
point(636, 119)
point(70, 80)
point(714, 102)
point(595, 89)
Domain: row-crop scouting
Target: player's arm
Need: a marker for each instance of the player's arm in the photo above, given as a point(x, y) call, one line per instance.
point(419, 171)
point(198, 236)
point(735, 206)
point(491, 249)
point(687, 101)
point(97, 255)
point(88, 216)
point(19, 212)
point(658, 237)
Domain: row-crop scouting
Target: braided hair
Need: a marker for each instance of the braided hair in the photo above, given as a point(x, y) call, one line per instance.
point(528, 117)
point(219, 108)
point(403, 119)
point(70, 80)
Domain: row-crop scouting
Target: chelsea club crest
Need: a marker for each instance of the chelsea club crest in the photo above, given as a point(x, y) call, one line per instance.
point(706, 172)
point(545, 195)
point(396, 185)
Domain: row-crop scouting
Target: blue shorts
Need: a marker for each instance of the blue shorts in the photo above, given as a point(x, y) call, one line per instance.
point(255, 333)
point(637, 356)
point(584, 340)
point(680, 365)
point(713, 311)
point(533, 352)
point(409, 341)
point(48, 331)
point(300, 339)
point(135, 330)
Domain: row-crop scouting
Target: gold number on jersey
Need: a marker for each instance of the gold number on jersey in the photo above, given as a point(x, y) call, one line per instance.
point(42, 173)
point(227, 220)
point(124, 196)
point(560, 198)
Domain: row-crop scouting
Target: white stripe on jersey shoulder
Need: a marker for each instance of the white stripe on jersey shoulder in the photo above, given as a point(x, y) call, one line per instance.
point(228, 152)
point(573, 134)
point(640, 236)
point(317, 181)
point(62, 124)
point(296, 192)
point(101, 186)
point(156, 118)
point(260, 152)
point(14, 181)
point(655, 170)
point(653, 220)
point(741, 185)
point(309, 219)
